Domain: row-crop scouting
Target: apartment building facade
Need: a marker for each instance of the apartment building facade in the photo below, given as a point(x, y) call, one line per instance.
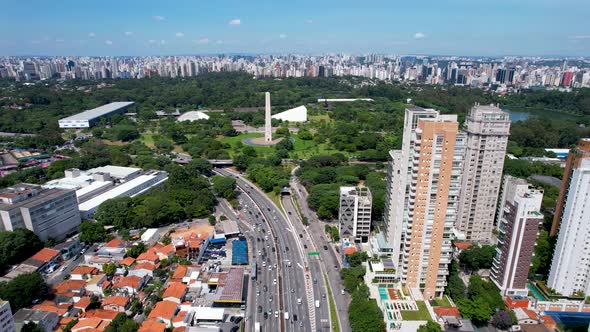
point(354, 213)
point(423, 190)
point(487, 129)
point(570, 267)
point(519, 220)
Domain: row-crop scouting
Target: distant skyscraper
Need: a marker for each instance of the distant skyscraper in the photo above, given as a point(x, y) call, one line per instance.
point(518, 225)
point(573, 163)
point(487, 128)
point(322, 71)
point(501, 75)
point(511, 73)
point(422, 190)
point(354, 213)
point(567, 79)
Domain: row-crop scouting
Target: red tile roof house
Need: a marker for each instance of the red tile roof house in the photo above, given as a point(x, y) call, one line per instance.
point(128, 285)
point(102, 314)
point(83, 304)
point(43, 259)
point(152, 325)
point(83, 272)
point(164, 252)
point(148, 257)
point(164, 311)
point(115, 303)
point(175, 292)
point(90, 324)
point(74, 289)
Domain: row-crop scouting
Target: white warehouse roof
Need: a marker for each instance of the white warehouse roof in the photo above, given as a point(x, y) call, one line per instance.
point(131, 188)
point(297, 114)
point(193, 116)
point(99, 111)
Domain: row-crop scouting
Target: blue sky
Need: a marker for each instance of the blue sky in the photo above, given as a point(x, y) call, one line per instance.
point(145, 27)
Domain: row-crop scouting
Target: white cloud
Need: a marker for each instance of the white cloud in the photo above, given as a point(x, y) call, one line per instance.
point(162, 42)
point(152, 41)
point(128, 33)
point(282, 36)
point(91, 35)
point(59, 40)
point(202, 41)
point(108, 42)
point(219, 42)
point(578, 37)
point(235, 21)
point(158, 18)
point(179, 34)
point(419, 35)
point(308, 21)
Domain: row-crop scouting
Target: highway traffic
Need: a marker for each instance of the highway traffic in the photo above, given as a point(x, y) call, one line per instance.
point(293, 293)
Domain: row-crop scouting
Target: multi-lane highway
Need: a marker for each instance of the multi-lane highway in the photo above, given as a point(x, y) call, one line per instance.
point(293, 293)
point(330, 259)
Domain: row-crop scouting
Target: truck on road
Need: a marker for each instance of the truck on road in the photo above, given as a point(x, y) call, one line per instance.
point(257, 327)
point(317, 303)
point(286, 315)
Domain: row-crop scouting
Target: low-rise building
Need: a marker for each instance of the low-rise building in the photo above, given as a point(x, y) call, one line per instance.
point(164, 311)
point(90, 117)
point(354, 213)
point(115, 303)
point(47, 321)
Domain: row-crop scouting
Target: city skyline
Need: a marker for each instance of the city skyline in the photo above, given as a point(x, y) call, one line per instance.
point(528, 28)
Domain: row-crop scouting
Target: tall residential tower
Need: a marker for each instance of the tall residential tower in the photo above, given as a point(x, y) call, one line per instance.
point(518, 226)
point(487, 129)
point(423, 188)
point(570, 268)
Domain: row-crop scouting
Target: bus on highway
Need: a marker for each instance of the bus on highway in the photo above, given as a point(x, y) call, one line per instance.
point(257, 327)
point(254, 271)
point(317, 303)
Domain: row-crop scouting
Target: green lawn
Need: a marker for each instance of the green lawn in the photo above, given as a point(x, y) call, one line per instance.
point(147, 139)
point(319, 118)
point(301, 149)
point(442, 302)
point(420, 314)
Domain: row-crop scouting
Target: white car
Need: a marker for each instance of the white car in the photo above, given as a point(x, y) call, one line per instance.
point(276, 314)
point(274, 281)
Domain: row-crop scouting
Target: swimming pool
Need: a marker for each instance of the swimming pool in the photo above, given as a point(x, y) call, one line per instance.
point(383, 294)
point(535, 292)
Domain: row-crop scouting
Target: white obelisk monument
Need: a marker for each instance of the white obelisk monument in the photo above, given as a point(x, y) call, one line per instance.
point(267, 122)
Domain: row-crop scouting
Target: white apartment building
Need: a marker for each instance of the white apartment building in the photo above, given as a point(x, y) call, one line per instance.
point(487, 128)
point(570, 268)
point(354, 213)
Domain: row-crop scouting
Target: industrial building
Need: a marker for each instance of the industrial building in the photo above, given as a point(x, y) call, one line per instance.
point(49, 213)
point(89, 118)
point(354, 213)
point(519, 220)
point(97, 185)
point(136, 186)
